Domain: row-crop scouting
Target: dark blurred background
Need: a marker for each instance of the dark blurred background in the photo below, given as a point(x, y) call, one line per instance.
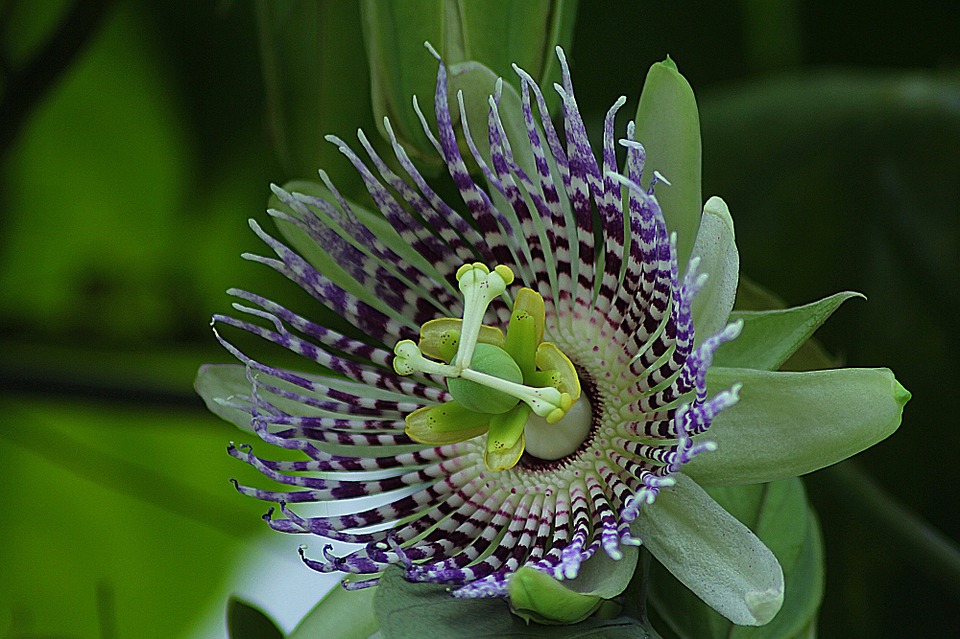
point(136, 138)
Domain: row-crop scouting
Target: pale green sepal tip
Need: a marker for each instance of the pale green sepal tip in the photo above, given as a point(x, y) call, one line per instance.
point(341, 614)
point(537, 597)
point(216, 384)
point(669, 63)
point(716, 248)
point(668, 126)
point(788, 424)
point(605, 577)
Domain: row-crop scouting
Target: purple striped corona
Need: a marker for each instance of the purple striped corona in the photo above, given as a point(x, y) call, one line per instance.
point(520, 377)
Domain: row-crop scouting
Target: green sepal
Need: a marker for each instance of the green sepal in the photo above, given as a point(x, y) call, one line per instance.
point(221, 384)
point(770, 337)
point(535, 596)
point(668, 126)
point(603, 576)
point(787, 424)
point(216, 384)
point(341, 614)
point(445, 423)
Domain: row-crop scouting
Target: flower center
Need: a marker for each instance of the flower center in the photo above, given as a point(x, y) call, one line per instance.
point(517, 389)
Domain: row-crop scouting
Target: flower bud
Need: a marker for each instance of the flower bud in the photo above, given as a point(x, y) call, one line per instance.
point(495, 33)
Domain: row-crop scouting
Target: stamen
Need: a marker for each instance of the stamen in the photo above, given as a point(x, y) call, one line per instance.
point(479, 286)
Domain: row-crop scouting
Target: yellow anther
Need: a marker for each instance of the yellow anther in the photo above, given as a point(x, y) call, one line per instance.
point(436, 337)
point(505, 273)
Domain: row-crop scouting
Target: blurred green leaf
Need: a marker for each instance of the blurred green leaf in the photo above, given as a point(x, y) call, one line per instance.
point(315, 78)
point(778, 513)
point(132, 499)
point(247, 622)
point(90, 195)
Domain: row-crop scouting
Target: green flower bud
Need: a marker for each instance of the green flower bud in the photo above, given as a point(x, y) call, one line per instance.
point(537, 597)
point(495, 33)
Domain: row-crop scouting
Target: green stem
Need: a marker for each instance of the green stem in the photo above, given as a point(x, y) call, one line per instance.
point(926, 546)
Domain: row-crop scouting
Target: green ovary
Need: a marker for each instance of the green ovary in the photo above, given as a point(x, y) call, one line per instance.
point(493, 361)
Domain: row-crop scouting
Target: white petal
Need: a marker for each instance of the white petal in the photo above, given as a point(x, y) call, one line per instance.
point(712, 553)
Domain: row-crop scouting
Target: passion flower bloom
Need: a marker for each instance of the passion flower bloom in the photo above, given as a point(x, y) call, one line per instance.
point(521, 377)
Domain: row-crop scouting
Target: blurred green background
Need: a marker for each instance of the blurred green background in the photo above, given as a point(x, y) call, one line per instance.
point(136, 138)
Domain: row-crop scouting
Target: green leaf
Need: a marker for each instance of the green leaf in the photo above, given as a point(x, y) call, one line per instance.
point(769, 338)
point(668, 126)
point(779, 514)
point(246, 622)
point(160, 474)
point(499, 33)
point(427, 611)
point(717, 249)
point(341, 614)
point(712, 553)
point(788, 424)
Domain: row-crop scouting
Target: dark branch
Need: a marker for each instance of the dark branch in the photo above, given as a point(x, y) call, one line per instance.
point(26, 86)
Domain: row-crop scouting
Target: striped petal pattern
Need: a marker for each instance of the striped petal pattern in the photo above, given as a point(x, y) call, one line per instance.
point(618, 304)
